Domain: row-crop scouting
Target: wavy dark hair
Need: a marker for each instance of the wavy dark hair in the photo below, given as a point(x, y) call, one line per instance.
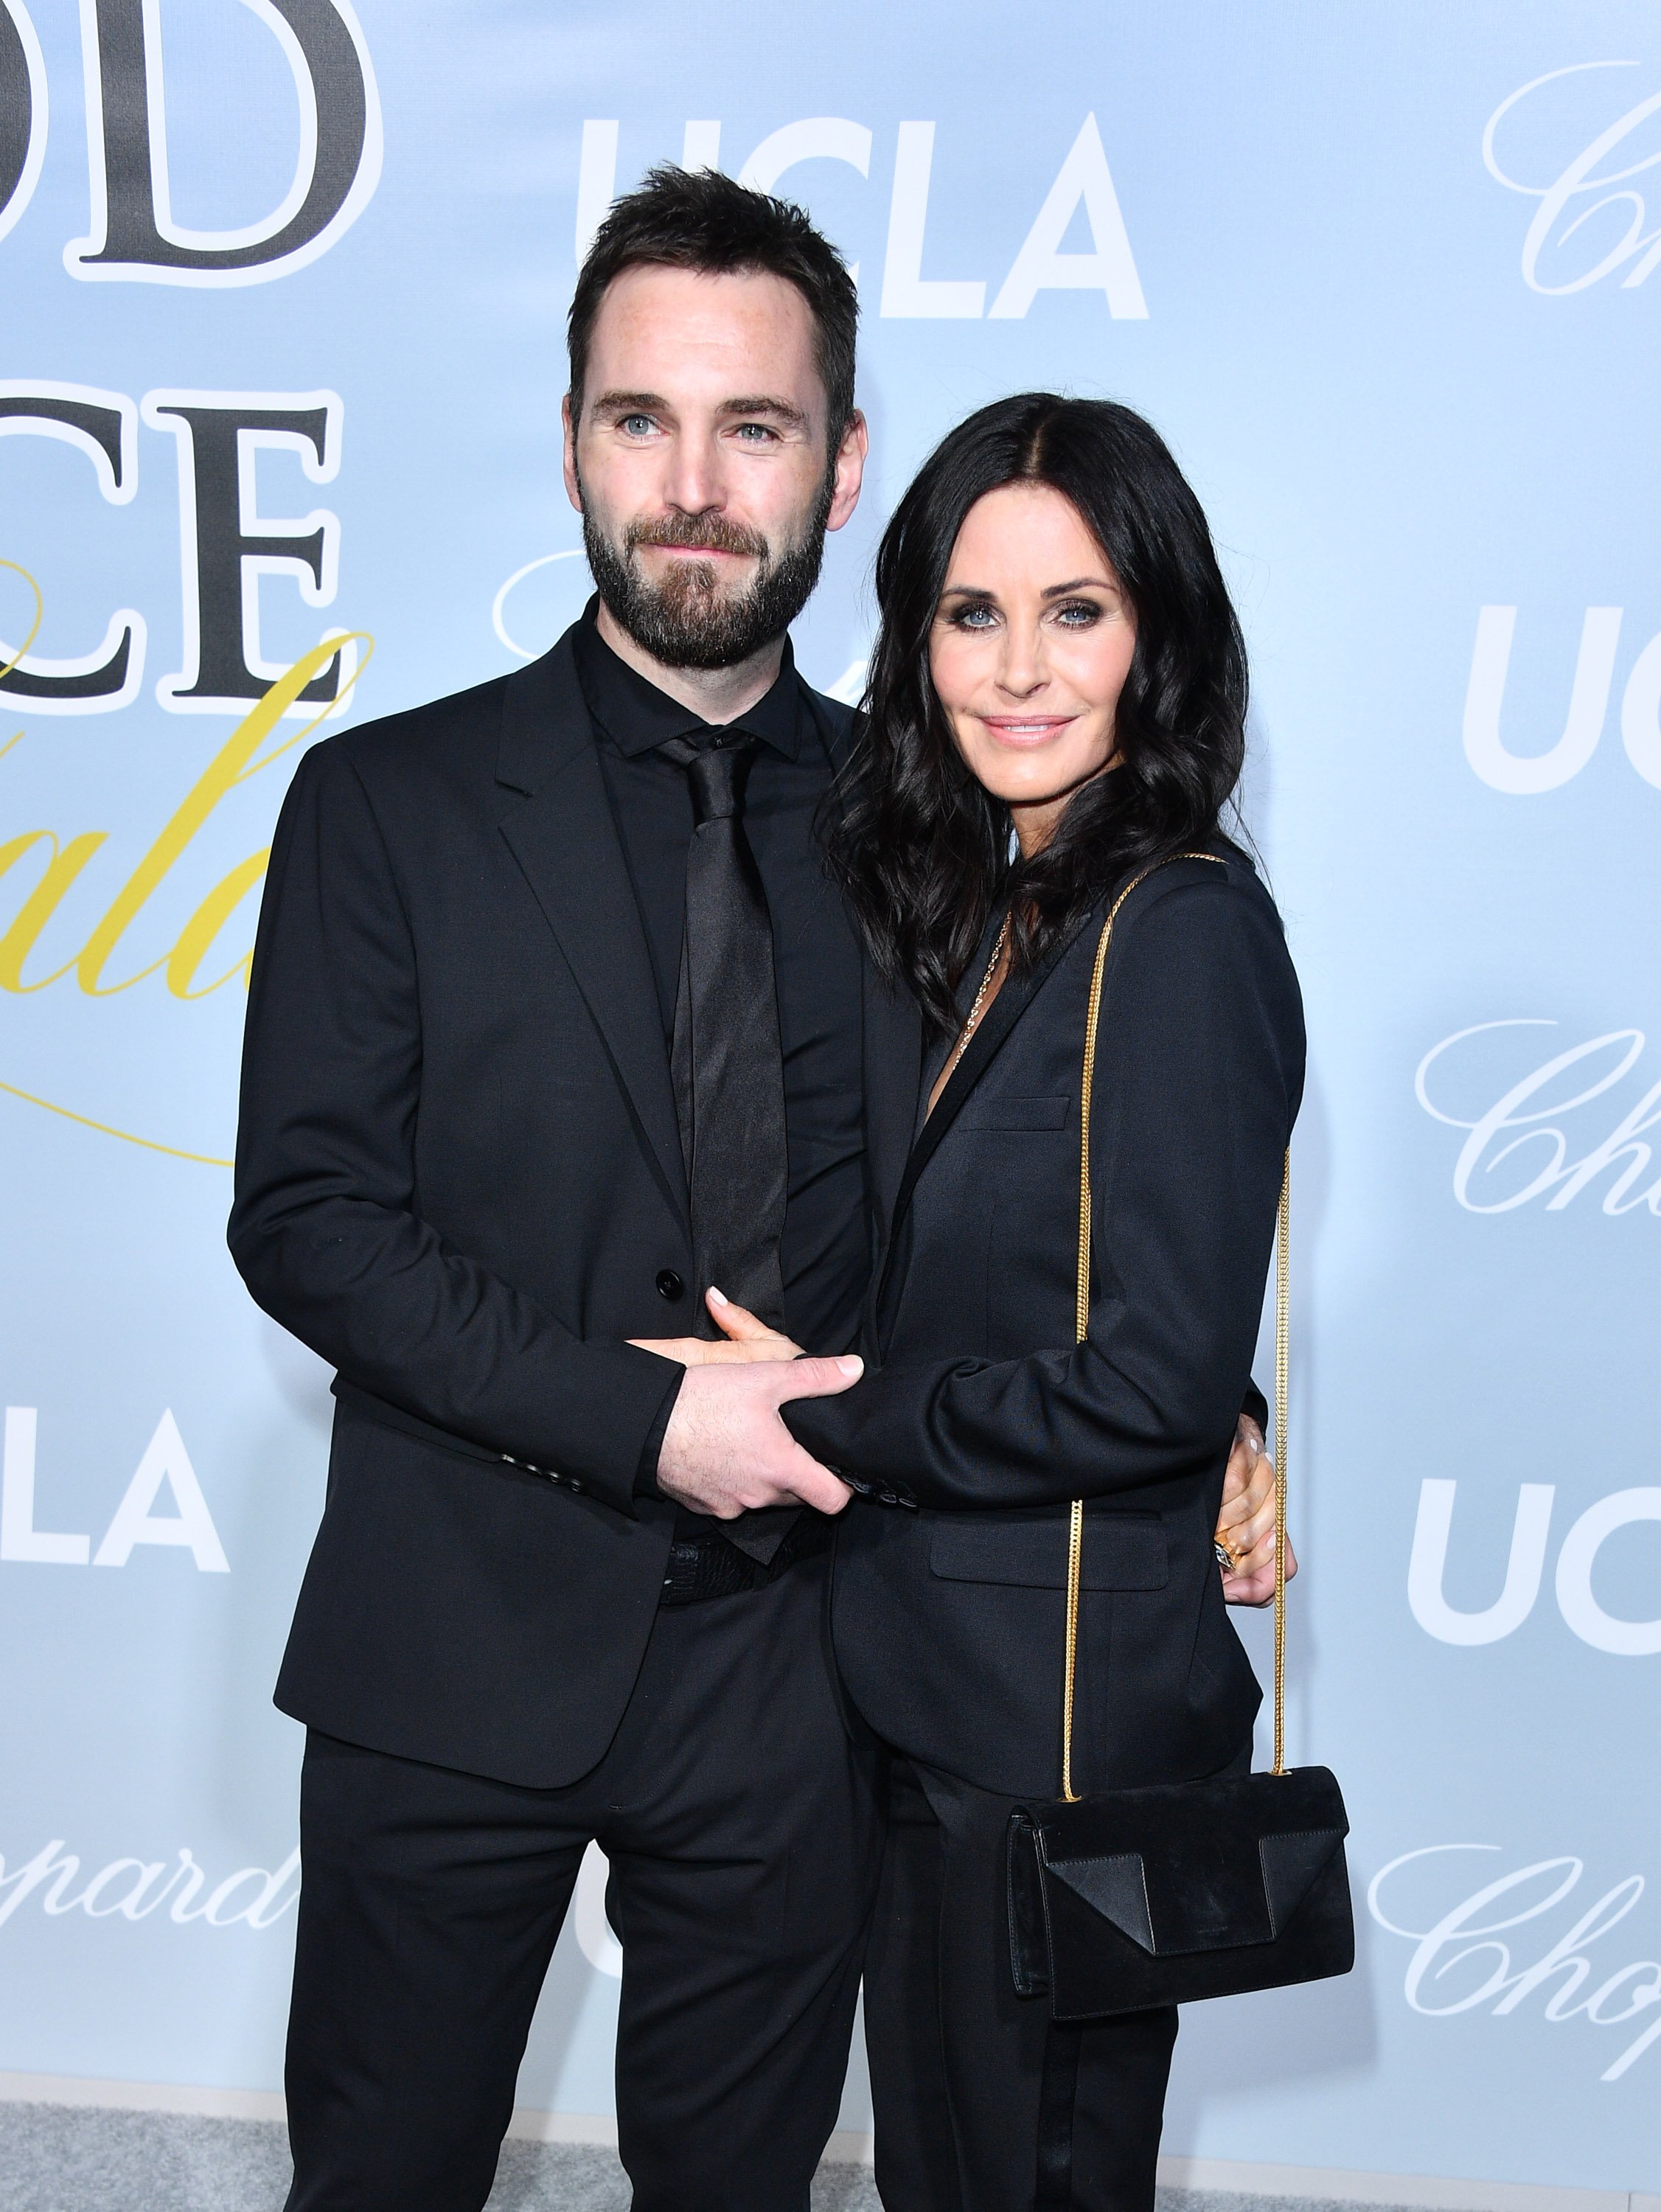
point(921, 849)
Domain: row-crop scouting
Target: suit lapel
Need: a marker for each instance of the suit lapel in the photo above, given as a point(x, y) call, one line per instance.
point(894, 1058)
point(562, 832)
point(997, 1026)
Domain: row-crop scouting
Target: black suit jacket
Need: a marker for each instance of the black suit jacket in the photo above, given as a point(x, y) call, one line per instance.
point(458, 1178)
point(984, 1412)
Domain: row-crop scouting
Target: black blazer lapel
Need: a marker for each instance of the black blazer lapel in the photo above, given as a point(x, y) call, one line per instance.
point(893, 1062)
point(1001, 1016)
point(563, 836)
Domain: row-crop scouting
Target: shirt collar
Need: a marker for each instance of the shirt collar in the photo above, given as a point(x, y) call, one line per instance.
point(636, 716)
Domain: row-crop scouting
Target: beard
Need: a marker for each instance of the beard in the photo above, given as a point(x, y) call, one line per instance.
point(689, 621)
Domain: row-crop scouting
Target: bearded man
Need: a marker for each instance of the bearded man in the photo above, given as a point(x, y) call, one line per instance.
point(563, 1588)
point(555, 1020)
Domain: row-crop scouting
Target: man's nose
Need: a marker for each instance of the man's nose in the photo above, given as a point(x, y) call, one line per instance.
point(693, 483)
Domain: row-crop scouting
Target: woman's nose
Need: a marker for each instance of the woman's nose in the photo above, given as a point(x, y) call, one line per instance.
point(1023, 671)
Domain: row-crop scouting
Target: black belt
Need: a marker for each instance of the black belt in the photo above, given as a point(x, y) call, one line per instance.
point(706, 1566)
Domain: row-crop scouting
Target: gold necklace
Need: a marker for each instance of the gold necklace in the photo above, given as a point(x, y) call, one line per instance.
point(978, 1006)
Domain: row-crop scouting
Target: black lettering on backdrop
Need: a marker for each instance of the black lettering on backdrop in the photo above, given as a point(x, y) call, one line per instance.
point(226, 544)
point(104, 426)
point(22, 112)
point(133, 234)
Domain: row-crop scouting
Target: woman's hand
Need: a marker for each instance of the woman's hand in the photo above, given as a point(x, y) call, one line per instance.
point(1245, 1526)
point(746, 1338)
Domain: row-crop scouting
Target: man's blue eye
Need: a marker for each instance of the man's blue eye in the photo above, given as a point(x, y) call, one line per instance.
point(637, 426)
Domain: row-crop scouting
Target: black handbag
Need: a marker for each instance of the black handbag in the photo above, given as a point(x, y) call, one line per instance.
point(1137, 1897)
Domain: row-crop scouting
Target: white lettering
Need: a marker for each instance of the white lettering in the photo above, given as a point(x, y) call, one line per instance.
point(1629, 1639)
point(165, 1460)
point(701, 146)
point(260, 1911)
point(1522, 1568)
point(264, 1896)
point(1576, 181)
point(19, 1537)
point(1460, 1938)
point(906, 290)
point(817, 138)
point(1041, 266)
point(1527, 774)
point(126, 1903)
point(596, 181)
point(30, 1878)
point(1483, 1152)
point(1641, 714)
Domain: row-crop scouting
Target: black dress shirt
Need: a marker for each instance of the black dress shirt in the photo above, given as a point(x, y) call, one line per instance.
point(825, 1254)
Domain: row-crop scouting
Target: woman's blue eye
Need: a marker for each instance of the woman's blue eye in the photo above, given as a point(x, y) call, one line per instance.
point(976, 618)
point(1078, 614)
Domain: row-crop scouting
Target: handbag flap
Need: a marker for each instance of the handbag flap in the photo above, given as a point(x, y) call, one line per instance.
point(1198, 1866)
point(1115, 1887)
point(1292, 1864)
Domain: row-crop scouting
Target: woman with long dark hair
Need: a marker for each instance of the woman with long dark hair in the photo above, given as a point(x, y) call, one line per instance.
point(1055, 720)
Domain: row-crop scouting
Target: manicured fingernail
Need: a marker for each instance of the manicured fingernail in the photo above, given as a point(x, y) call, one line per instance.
point(717, 1297)
point(853, 1368)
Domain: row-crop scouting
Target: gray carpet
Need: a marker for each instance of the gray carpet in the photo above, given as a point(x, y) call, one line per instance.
point(57, 2158)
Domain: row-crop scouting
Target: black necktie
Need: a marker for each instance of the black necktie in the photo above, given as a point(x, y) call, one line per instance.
point(728, 1065)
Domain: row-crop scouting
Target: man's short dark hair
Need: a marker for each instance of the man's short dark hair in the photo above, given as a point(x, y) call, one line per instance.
point(698, 219)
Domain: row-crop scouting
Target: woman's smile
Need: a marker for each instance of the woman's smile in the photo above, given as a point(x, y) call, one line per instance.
point(1026, 730)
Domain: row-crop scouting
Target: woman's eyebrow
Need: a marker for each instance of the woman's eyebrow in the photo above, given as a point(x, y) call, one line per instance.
point(1078, 584)
point(967, 592)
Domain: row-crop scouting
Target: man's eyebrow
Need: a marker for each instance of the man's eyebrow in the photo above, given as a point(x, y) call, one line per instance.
point(630, 403)
point(765, 404)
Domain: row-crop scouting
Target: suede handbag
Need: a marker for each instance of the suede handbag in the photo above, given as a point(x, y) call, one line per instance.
point(1139, 1897)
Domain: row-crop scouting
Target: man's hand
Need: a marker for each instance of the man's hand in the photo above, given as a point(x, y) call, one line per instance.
point(1245, 1526)
point(725, 1450)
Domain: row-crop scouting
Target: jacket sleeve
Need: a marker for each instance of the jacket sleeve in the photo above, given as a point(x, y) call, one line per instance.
point(326, 1228)
point(1198, 1075)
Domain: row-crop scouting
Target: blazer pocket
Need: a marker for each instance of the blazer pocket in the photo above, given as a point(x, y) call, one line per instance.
point(1121, 1552)
point(1015, 1114)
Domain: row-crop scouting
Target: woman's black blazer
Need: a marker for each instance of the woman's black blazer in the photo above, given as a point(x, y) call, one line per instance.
point(980, 1416)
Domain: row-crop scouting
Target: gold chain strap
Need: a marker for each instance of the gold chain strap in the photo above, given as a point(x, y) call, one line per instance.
point(1082, 1323)
point(1282, 1338)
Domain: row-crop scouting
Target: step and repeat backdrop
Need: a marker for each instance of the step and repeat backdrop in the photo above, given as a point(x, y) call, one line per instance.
point(283, 286)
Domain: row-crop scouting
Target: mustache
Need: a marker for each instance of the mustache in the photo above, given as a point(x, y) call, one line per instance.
point(710, 533)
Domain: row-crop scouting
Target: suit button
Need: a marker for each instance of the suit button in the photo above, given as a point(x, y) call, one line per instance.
point(669, 1284)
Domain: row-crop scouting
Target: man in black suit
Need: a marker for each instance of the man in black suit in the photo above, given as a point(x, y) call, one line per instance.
point(518, 949)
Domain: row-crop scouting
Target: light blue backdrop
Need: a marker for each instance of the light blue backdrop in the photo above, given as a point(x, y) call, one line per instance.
point(1383, 276)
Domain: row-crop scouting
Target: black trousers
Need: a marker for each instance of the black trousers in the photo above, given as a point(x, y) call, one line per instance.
point(737, 1807)
point(967, 2077)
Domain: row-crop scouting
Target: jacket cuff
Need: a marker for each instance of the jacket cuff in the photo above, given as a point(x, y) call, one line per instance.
point(645, 1472)
point(611, 1399)
point(1257, 1406)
